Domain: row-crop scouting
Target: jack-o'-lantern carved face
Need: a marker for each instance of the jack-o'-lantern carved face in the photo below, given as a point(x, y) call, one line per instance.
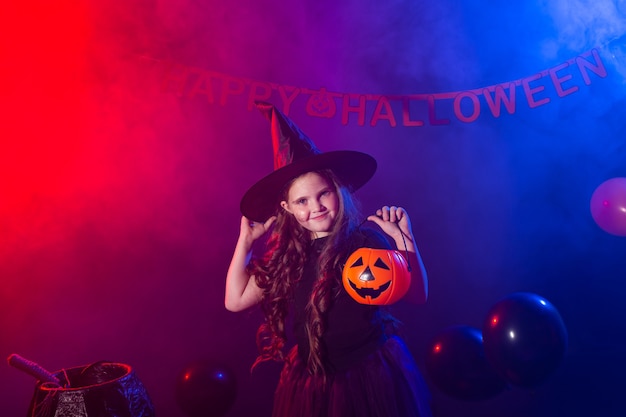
point(376, 276)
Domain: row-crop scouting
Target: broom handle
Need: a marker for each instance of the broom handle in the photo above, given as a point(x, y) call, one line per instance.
point(32, 369)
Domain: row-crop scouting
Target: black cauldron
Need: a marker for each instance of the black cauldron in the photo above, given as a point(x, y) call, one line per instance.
point(101, 389)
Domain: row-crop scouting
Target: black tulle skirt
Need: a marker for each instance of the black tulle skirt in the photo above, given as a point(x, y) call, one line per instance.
point(387, 384)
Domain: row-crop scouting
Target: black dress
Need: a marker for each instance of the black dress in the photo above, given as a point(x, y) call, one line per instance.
point(370, 373)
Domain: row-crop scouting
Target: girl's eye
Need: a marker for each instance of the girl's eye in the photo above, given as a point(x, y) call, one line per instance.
point(301, 201)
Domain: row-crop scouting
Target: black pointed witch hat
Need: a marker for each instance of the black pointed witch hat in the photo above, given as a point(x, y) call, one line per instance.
point(296, 154)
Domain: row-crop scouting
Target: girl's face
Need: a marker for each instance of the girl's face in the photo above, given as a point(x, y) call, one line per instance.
point(314, 203)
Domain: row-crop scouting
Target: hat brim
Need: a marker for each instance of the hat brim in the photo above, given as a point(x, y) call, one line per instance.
point(352, 168)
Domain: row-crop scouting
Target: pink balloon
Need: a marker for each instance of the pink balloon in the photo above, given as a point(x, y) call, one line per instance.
point(608, 206)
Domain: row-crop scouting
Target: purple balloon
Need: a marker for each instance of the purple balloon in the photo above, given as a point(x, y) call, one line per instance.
point(608, 206)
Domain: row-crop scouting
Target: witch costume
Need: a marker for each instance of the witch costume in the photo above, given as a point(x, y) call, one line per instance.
point(368, 369)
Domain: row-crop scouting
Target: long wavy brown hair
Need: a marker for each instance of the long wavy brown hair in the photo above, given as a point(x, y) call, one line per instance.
point(282, 266)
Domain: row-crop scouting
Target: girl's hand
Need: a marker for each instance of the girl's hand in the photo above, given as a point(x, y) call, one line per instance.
point(242, 291)
point(394, 221)
point(251, 231)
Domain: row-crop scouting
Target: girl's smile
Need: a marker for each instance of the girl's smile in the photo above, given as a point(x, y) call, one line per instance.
point(313, 202)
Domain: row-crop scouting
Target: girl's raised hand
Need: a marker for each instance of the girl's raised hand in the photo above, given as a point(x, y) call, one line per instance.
point(394, 221)
point(254, 230)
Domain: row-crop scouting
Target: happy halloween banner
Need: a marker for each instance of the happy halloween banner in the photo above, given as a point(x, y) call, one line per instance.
point(412, 110)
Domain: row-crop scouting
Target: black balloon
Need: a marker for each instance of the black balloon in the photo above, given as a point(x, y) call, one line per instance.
point(525, 339)
point(457, 365)
point(206, 389)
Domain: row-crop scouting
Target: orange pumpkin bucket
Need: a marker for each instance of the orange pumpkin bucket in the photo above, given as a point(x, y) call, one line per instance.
point(376, 276)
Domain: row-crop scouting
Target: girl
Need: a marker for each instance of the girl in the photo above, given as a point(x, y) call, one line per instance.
point(348, 359)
